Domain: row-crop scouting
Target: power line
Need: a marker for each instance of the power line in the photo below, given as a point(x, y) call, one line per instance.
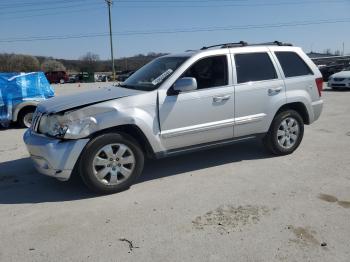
point(197, 1)
point(29, 4)
point(53, 13)
point(8, 15)
point(49, 8)
point(77, 8)
point(183, 3)
point(36, 3)
point(177, 4)
point(176, 31)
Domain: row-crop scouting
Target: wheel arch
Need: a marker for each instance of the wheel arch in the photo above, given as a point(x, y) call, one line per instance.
point(133, 131)
point(21, 107)
point(298, 107)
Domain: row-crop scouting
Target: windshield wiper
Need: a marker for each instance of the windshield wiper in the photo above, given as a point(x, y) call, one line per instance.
point(126, 86)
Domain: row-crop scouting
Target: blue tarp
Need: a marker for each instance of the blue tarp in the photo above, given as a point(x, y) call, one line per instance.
point(16, 88)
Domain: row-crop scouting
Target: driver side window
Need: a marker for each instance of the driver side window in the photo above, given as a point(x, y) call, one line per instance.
point(209, 72)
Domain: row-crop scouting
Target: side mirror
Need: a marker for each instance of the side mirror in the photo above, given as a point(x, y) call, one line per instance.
point(185, 84)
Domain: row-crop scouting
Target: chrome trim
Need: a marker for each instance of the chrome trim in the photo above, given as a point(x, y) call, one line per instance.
point(211, 126)
point(197, 128)
point(36, 120)
point(218, 99)
point(249, 119)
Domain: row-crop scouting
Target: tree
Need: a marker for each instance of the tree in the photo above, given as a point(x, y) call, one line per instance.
point(20, 63)
point(50, 65)
point(90, 62)
point(4, 62)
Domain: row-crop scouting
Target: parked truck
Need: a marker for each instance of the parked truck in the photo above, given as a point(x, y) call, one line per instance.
point(20, 93)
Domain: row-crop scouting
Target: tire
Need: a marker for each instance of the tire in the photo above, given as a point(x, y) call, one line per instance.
point(285, 133)
point(25, 117)
point(104, 167)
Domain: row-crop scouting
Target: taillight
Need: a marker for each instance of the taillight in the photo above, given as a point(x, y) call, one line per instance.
point(319, 84)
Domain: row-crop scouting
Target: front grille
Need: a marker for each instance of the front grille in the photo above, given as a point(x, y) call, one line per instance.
point(338, 85)
point(36, 120)
point(337, 79)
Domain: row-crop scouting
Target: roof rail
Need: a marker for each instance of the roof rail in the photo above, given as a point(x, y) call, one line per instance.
point(243, 43)
point(227, 45)
point(273, 43)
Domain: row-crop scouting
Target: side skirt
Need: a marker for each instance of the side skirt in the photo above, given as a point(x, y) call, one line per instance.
point(194, 148)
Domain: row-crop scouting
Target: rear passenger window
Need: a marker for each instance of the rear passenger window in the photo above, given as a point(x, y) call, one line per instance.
point(254, 67)
point(292, 64)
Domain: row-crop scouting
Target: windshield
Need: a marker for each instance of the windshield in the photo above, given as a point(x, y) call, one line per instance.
point(152, 75)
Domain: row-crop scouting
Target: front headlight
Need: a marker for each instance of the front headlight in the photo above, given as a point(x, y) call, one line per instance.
point(81, 128)
point(61, 126)
point(53, 125)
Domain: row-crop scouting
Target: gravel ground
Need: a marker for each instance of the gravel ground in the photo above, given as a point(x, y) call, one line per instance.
point(235, 203)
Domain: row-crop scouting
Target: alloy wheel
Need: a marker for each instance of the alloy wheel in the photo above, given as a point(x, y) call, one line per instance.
point(288, 132)
point(113, 164)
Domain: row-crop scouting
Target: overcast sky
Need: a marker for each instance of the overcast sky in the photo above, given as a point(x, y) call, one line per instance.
point(158, 26)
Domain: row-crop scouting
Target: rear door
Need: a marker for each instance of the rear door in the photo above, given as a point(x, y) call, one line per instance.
point(259, 90)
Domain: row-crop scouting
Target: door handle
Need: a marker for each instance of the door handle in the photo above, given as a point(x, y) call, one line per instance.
point(274, 91)
point(218, 99)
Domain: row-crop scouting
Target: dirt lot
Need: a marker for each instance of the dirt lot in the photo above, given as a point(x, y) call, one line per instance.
point(236, 203)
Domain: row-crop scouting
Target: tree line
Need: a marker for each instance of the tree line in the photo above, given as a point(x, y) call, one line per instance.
point(89, 62)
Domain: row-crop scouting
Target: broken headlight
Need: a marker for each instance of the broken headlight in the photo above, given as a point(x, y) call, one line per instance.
point(62, 126)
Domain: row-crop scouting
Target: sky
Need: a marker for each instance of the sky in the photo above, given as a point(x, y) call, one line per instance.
point(169, 26)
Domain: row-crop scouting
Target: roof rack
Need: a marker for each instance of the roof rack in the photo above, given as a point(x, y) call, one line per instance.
point(243, 43)
point(278, 43)
point(227, 45)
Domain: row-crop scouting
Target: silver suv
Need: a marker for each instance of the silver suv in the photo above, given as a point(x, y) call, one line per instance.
point(177, 104)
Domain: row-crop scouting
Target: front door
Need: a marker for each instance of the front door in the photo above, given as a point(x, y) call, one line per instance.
point(203, 115)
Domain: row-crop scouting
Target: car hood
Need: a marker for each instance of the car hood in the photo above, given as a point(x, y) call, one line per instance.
point(342, 74)
point(62, 103)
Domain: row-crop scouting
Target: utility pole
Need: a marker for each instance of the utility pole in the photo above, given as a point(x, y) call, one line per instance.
point(109, 4)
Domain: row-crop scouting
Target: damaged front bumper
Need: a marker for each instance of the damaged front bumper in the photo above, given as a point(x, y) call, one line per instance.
point(53, 157)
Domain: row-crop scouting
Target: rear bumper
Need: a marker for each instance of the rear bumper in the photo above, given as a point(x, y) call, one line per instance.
point(53, 157)
point(317, 109)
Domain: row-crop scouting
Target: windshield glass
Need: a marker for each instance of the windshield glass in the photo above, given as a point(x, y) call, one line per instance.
point(152, 75)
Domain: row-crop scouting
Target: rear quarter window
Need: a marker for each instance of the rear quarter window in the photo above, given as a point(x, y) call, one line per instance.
point(293, 65)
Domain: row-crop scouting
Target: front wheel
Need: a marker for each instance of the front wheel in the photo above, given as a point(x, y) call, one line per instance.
point(111, 163)
point(285, 133)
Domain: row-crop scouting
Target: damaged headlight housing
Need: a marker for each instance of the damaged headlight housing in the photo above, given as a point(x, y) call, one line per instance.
point(62, 126)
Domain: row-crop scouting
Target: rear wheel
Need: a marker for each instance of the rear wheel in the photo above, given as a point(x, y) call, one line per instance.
point(285, 133)
point(111, 163)
point(25, 117)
